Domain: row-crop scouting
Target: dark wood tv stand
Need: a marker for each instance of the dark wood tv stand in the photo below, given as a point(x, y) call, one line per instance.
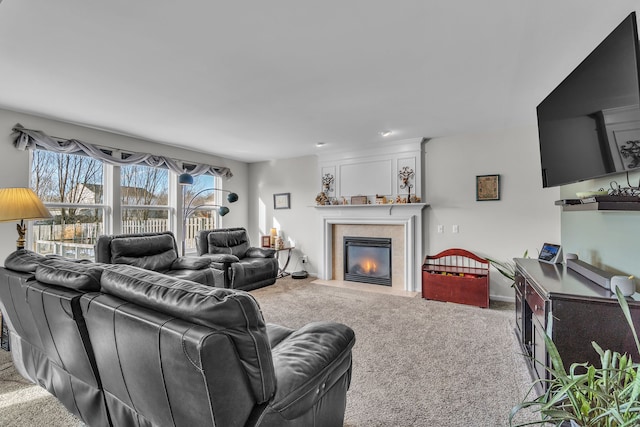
point(582, 312)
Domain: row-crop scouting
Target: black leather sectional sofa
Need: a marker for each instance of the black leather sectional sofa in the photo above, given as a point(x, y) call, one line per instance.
point(119, 345)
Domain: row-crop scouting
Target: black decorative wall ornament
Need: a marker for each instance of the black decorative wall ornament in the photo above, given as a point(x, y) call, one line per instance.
point(631, 151)
point(327, 182)
point(405, 175)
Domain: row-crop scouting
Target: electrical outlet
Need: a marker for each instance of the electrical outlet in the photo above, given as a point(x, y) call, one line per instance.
point(441, 229)
point(455, 229)
point(305, 259)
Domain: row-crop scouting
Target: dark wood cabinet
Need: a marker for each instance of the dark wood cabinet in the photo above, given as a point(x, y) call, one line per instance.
point(573, 310)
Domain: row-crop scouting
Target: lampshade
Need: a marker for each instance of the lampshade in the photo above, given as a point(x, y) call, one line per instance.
point(185, 179)
point(20, 204)
point(223, 210)
point(232, 197)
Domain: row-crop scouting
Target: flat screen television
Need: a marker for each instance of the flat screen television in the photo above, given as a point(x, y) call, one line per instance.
point(589, 126)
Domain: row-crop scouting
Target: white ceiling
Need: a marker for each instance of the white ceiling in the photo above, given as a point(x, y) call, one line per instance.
point(258, 80)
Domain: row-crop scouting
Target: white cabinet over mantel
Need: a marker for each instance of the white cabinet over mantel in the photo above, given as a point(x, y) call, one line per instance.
point(374, 171)
point(408, 216)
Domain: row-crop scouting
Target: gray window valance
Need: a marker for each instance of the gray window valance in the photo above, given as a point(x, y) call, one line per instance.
point(34, 139)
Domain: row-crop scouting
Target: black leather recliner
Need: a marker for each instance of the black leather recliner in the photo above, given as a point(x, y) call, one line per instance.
point(130, 346)
point(237, 263)
point(153, 251)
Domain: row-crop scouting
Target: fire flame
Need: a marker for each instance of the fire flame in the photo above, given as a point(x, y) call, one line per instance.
point(369, 266)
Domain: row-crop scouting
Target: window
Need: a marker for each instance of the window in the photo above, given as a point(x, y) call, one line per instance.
point(89, 198)
point(72, 187)
point(200, 202)
point(144, 196)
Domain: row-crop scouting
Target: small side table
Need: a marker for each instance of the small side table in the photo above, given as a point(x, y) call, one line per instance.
point(281, 271)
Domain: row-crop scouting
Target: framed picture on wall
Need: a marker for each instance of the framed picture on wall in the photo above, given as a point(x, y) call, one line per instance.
point(282, 201)
point(487, 187)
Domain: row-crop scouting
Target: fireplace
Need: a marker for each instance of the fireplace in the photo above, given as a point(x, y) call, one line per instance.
point(367, 260)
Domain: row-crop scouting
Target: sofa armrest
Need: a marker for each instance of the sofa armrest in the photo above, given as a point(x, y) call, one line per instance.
point(221, 258)
point(308, 363)
point(190, 263)
point(277, 333)
point(260, 253)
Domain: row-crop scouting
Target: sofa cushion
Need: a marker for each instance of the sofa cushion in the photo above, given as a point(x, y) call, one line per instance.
point(159, 251)
point(230, 241)
point(190, 263)
point(236, 313)
point(71, 275)
point(24, 261)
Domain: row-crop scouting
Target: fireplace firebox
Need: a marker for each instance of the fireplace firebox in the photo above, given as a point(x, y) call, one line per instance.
point(367, 260)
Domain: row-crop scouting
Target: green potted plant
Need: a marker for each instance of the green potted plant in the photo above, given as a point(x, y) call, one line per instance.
point(506, 268)
point(586, 395)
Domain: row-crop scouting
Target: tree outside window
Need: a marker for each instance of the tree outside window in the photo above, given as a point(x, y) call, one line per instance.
point(71, 186)
point(144, 194)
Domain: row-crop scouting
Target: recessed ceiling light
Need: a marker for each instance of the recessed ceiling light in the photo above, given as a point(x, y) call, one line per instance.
point(385, 132)
point(319, 144)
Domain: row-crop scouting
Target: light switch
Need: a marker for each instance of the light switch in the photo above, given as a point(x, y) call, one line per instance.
point(455, 229)
point(441, 229)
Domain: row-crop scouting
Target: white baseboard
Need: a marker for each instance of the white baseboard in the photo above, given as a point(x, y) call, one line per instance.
point(502, 298)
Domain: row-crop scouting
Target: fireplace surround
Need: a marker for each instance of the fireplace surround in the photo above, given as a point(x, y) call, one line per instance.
point(402, 221)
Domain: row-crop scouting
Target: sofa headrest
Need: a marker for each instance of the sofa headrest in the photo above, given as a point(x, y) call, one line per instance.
point(229, 241)
point(72, 275)
point(24, 261)
point(235, 312)
point(155, 253)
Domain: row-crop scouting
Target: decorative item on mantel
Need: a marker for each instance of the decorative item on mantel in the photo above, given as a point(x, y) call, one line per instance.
point(359, 200)
point(327, 181)
point(381, 200)
point(321, 199)
point(405, 176)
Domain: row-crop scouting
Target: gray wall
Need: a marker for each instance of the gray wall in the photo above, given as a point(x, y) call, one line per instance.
point(14, 164)
point(299, 224)
point(523, 219)
point(607, 240)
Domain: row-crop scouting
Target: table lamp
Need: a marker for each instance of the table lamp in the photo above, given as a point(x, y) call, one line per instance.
point(20, 204)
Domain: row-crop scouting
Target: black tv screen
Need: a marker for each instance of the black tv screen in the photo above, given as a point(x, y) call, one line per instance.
point(589, 126)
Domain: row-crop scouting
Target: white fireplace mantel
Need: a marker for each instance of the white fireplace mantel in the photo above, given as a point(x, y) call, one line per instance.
point(408, 215)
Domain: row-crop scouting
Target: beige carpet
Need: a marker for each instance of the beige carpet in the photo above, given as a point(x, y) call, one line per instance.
point(415, 362)
point(25, 404)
